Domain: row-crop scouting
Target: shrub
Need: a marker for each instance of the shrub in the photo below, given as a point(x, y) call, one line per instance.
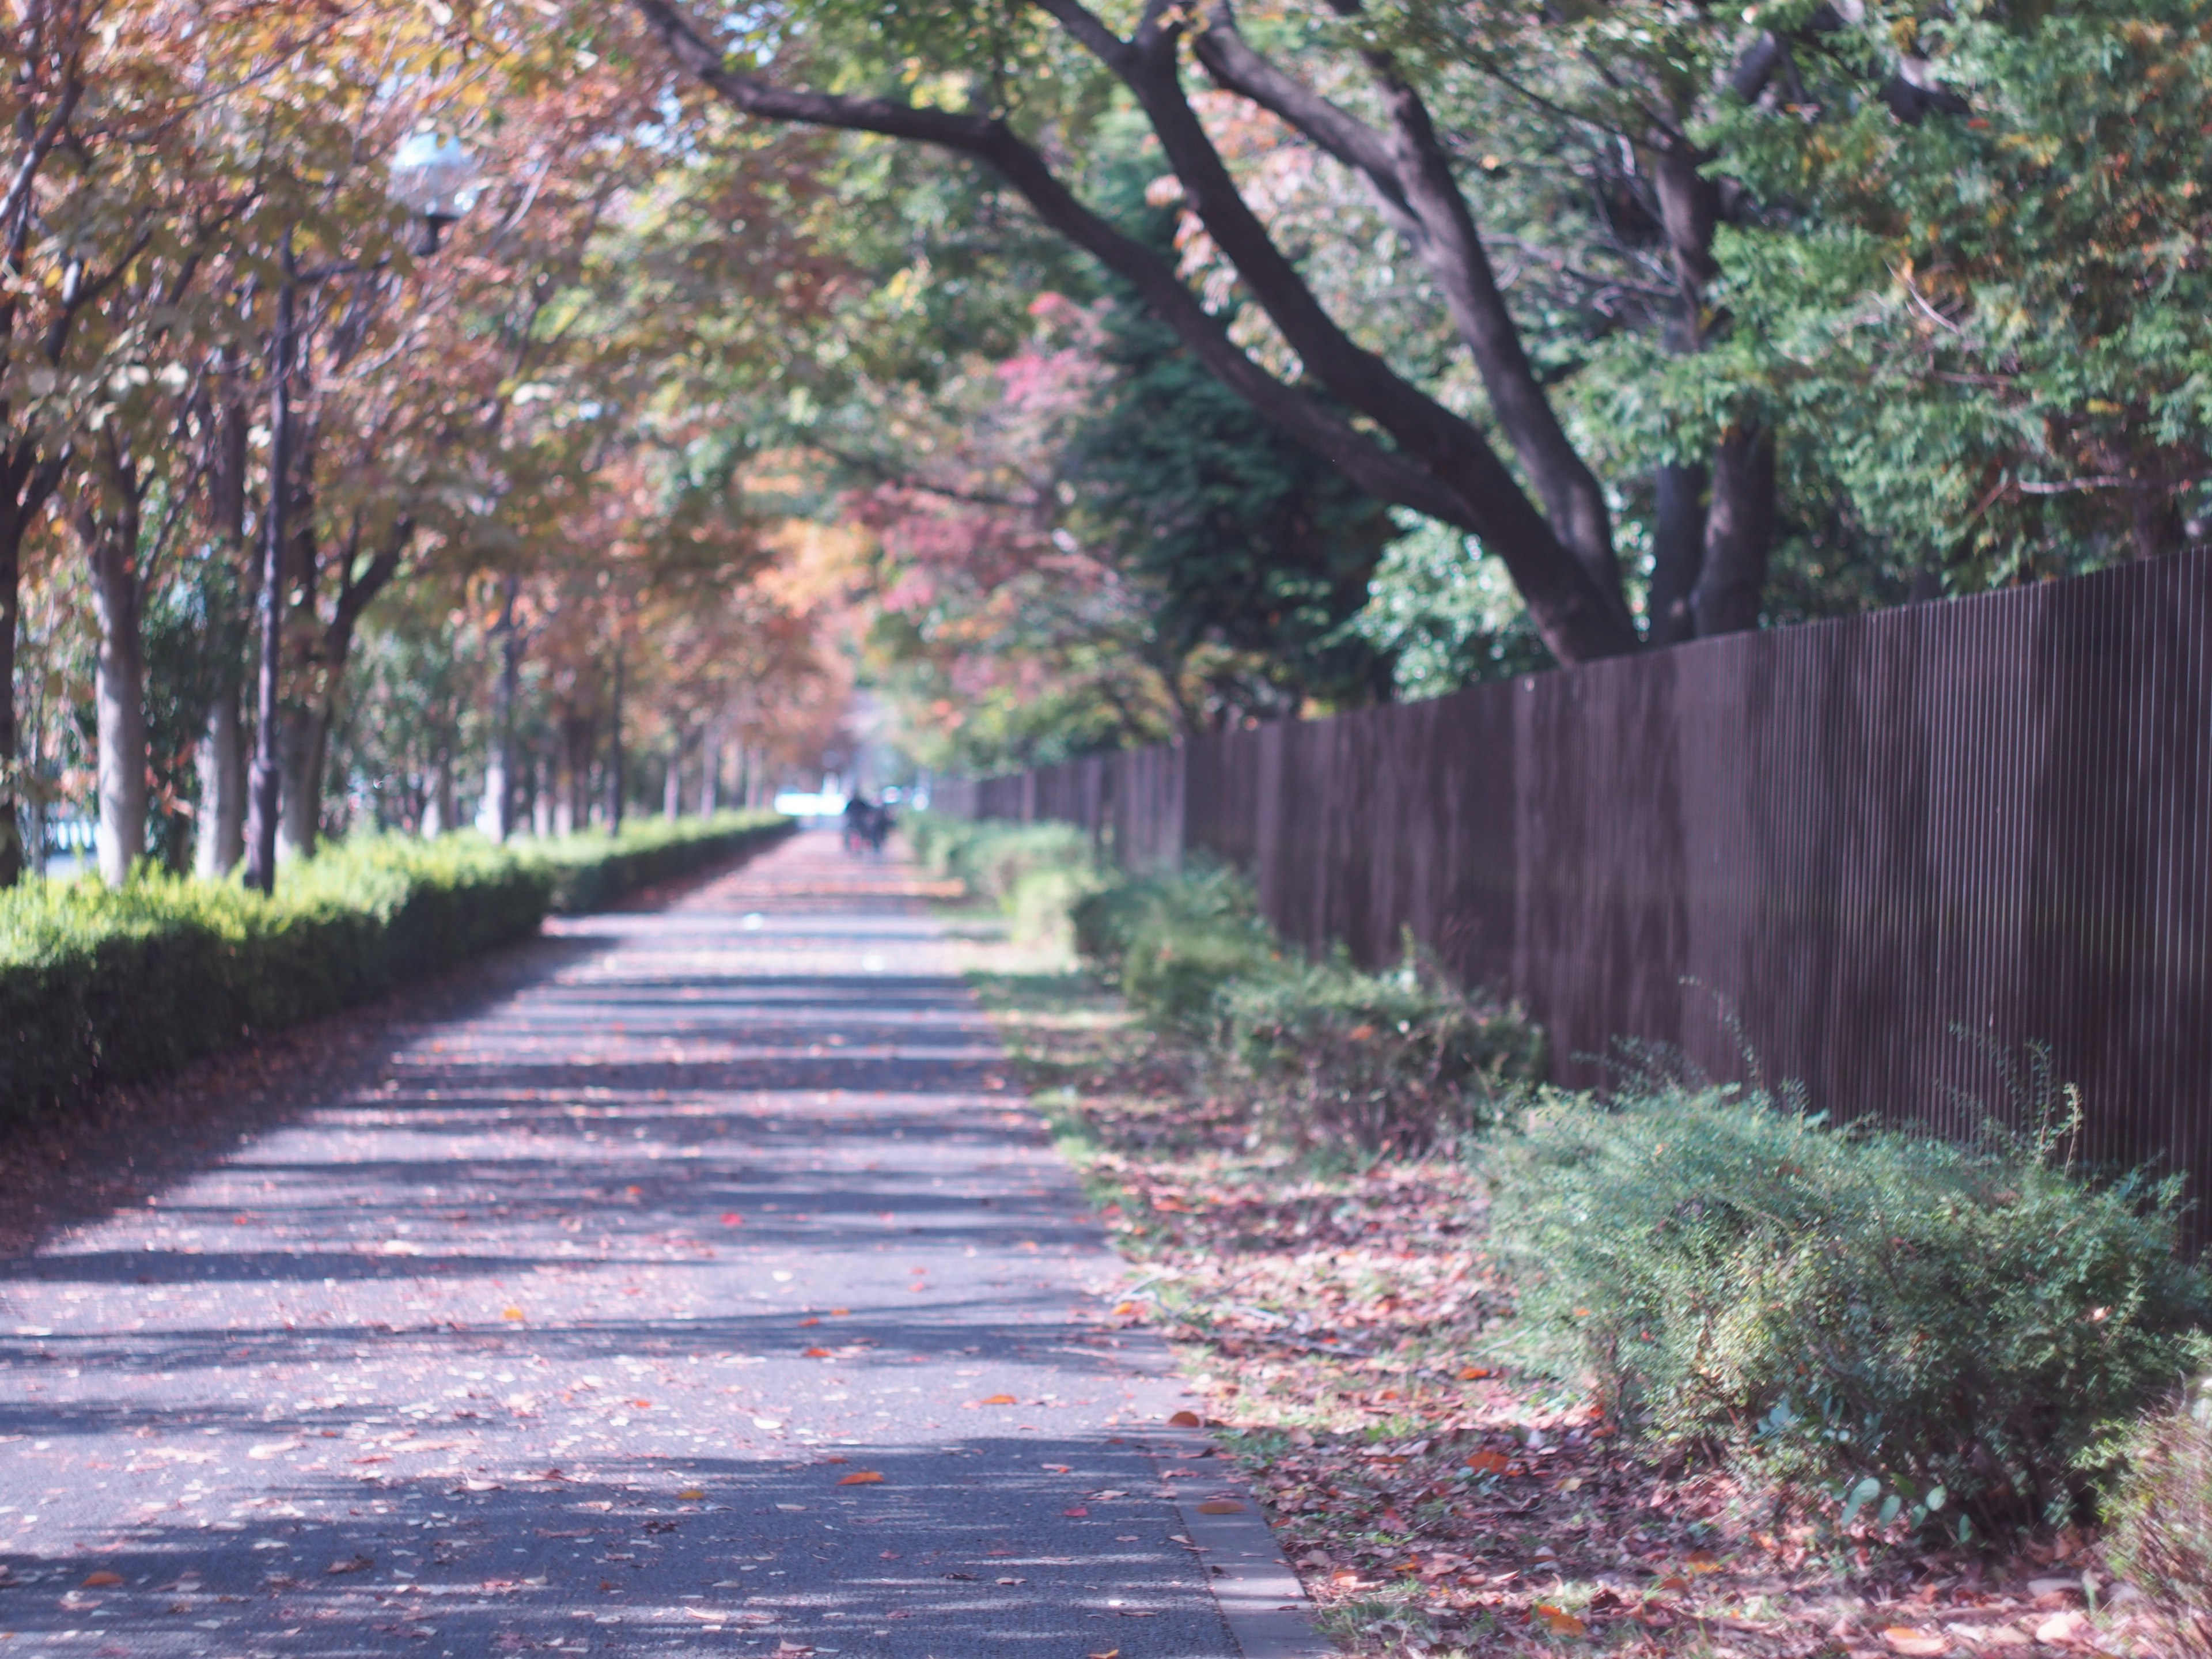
point(1929, 1329)
point(592, 870)
point(2160, 1536)
point(1172, 941)
point(1401, 1060)
point(100, 987)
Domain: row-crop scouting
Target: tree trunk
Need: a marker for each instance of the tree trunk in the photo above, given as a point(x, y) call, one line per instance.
point(11, 557)
point(220, 841)
point(438, 799)
point(266, 778)
point(1739, 532)
point(615, 782)
point(119, 695)
point(671, 782)
point(497, 816)
point(306, 746)
point(710, 771)
point(1678, 550)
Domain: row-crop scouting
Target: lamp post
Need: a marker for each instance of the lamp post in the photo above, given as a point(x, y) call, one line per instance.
point(434, 179)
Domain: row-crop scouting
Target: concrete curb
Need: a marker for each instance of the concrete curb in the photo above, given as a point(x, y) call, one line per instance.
point(1259, 1597)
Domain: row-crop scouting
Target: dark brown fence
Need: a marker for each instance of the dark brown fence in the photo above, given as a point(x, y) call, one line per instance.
point(1894, 850)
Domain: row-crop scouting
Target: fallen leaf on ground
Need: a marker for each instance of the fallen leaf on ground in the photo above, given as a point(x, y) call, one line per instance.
point(1489, 1462)
point(1221, 1506)
point(2061, 1628)
point(809, 1319)
point(1558, 1620)
point(998, 1399)
point(690, 1495)
point(1474, 1373)
point(1078, 1510)
point(1184, 1421)
point(101, 1580)
point(1916, 1643)
point(816, 1353)
point(357, 1564)
point(510, 1313)
point(860, 1478)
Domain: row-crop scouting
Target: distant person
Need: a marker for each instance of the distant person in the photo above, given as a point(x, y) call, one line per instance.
point(857, 811)
point(881, 822)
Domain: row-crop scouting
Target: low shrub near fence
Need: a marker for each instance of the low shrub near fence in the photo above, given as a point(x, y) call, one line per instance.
point(1917, 1332)
point(1319, 1051)
point(100, 987)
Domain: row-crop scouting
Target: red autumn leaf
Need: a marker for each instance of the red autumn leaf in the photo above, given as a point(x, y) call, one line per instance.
point(998, 1399)
point(816, 1353)
point(809, 1319)
point(860, 1478)
point(1184, 1421)
point(101, 1580)
point(1221, 1506)
point(1078, 1510)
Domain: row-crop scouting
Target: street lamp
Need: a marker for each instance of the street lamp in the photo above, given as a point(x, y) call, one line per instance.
point(433, 178)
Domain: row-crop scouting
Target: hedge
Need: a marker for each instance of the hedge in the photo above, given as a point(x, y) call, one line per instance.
point(594, 870)
point(100, 987)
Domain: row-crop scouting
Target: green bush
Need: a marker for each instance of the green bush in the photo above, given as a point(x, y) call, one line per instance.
point(100, 987)
point(1401, 1060)
point(2160, 1515)
point(1172, 941)
point(1928, 1333)
point(592, 870)
point(990, 856)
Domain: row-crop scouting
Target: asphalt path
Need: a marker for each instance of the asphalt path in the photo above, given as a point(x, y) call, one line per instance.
point(711, 1290)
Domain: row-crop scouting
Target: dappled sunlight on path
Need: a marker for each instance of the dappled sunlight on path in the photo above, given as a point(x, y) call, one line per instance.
point(715, 1291)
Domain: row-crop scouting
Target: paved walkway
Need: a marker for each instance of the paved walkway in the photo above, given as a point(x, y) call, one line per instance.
point(715, 1292)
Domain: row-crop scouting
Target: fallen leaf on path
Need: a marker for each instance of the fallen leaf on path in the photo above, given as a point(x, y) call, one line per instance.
point(101, 1580)
point(809, 1319)
point(998, 1399)
point(1126, 1309)
point(642, 1405)
point(1221, 1506)
point(690, 1495)
point(714, 1613)
point(510, 1313)
point(1916, 1643)
point(1110, 1653)
point(732, 1218)
point(1489, 1462)
point(816, 1354)
point(1185, 1420)
point(841, 1313)
point(1078, 1510)
point(269, 1449)
point(357, 1564)
point(860, 1478)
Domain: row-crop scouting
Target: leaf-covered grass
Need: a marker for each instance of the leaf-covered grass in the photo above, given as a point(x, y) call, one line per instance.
point(1340, 1312)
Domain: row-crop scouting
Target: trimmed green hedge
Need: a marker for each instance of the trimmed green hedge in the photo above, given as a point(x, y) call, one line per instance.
point(594, 870)
point(100, 987)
